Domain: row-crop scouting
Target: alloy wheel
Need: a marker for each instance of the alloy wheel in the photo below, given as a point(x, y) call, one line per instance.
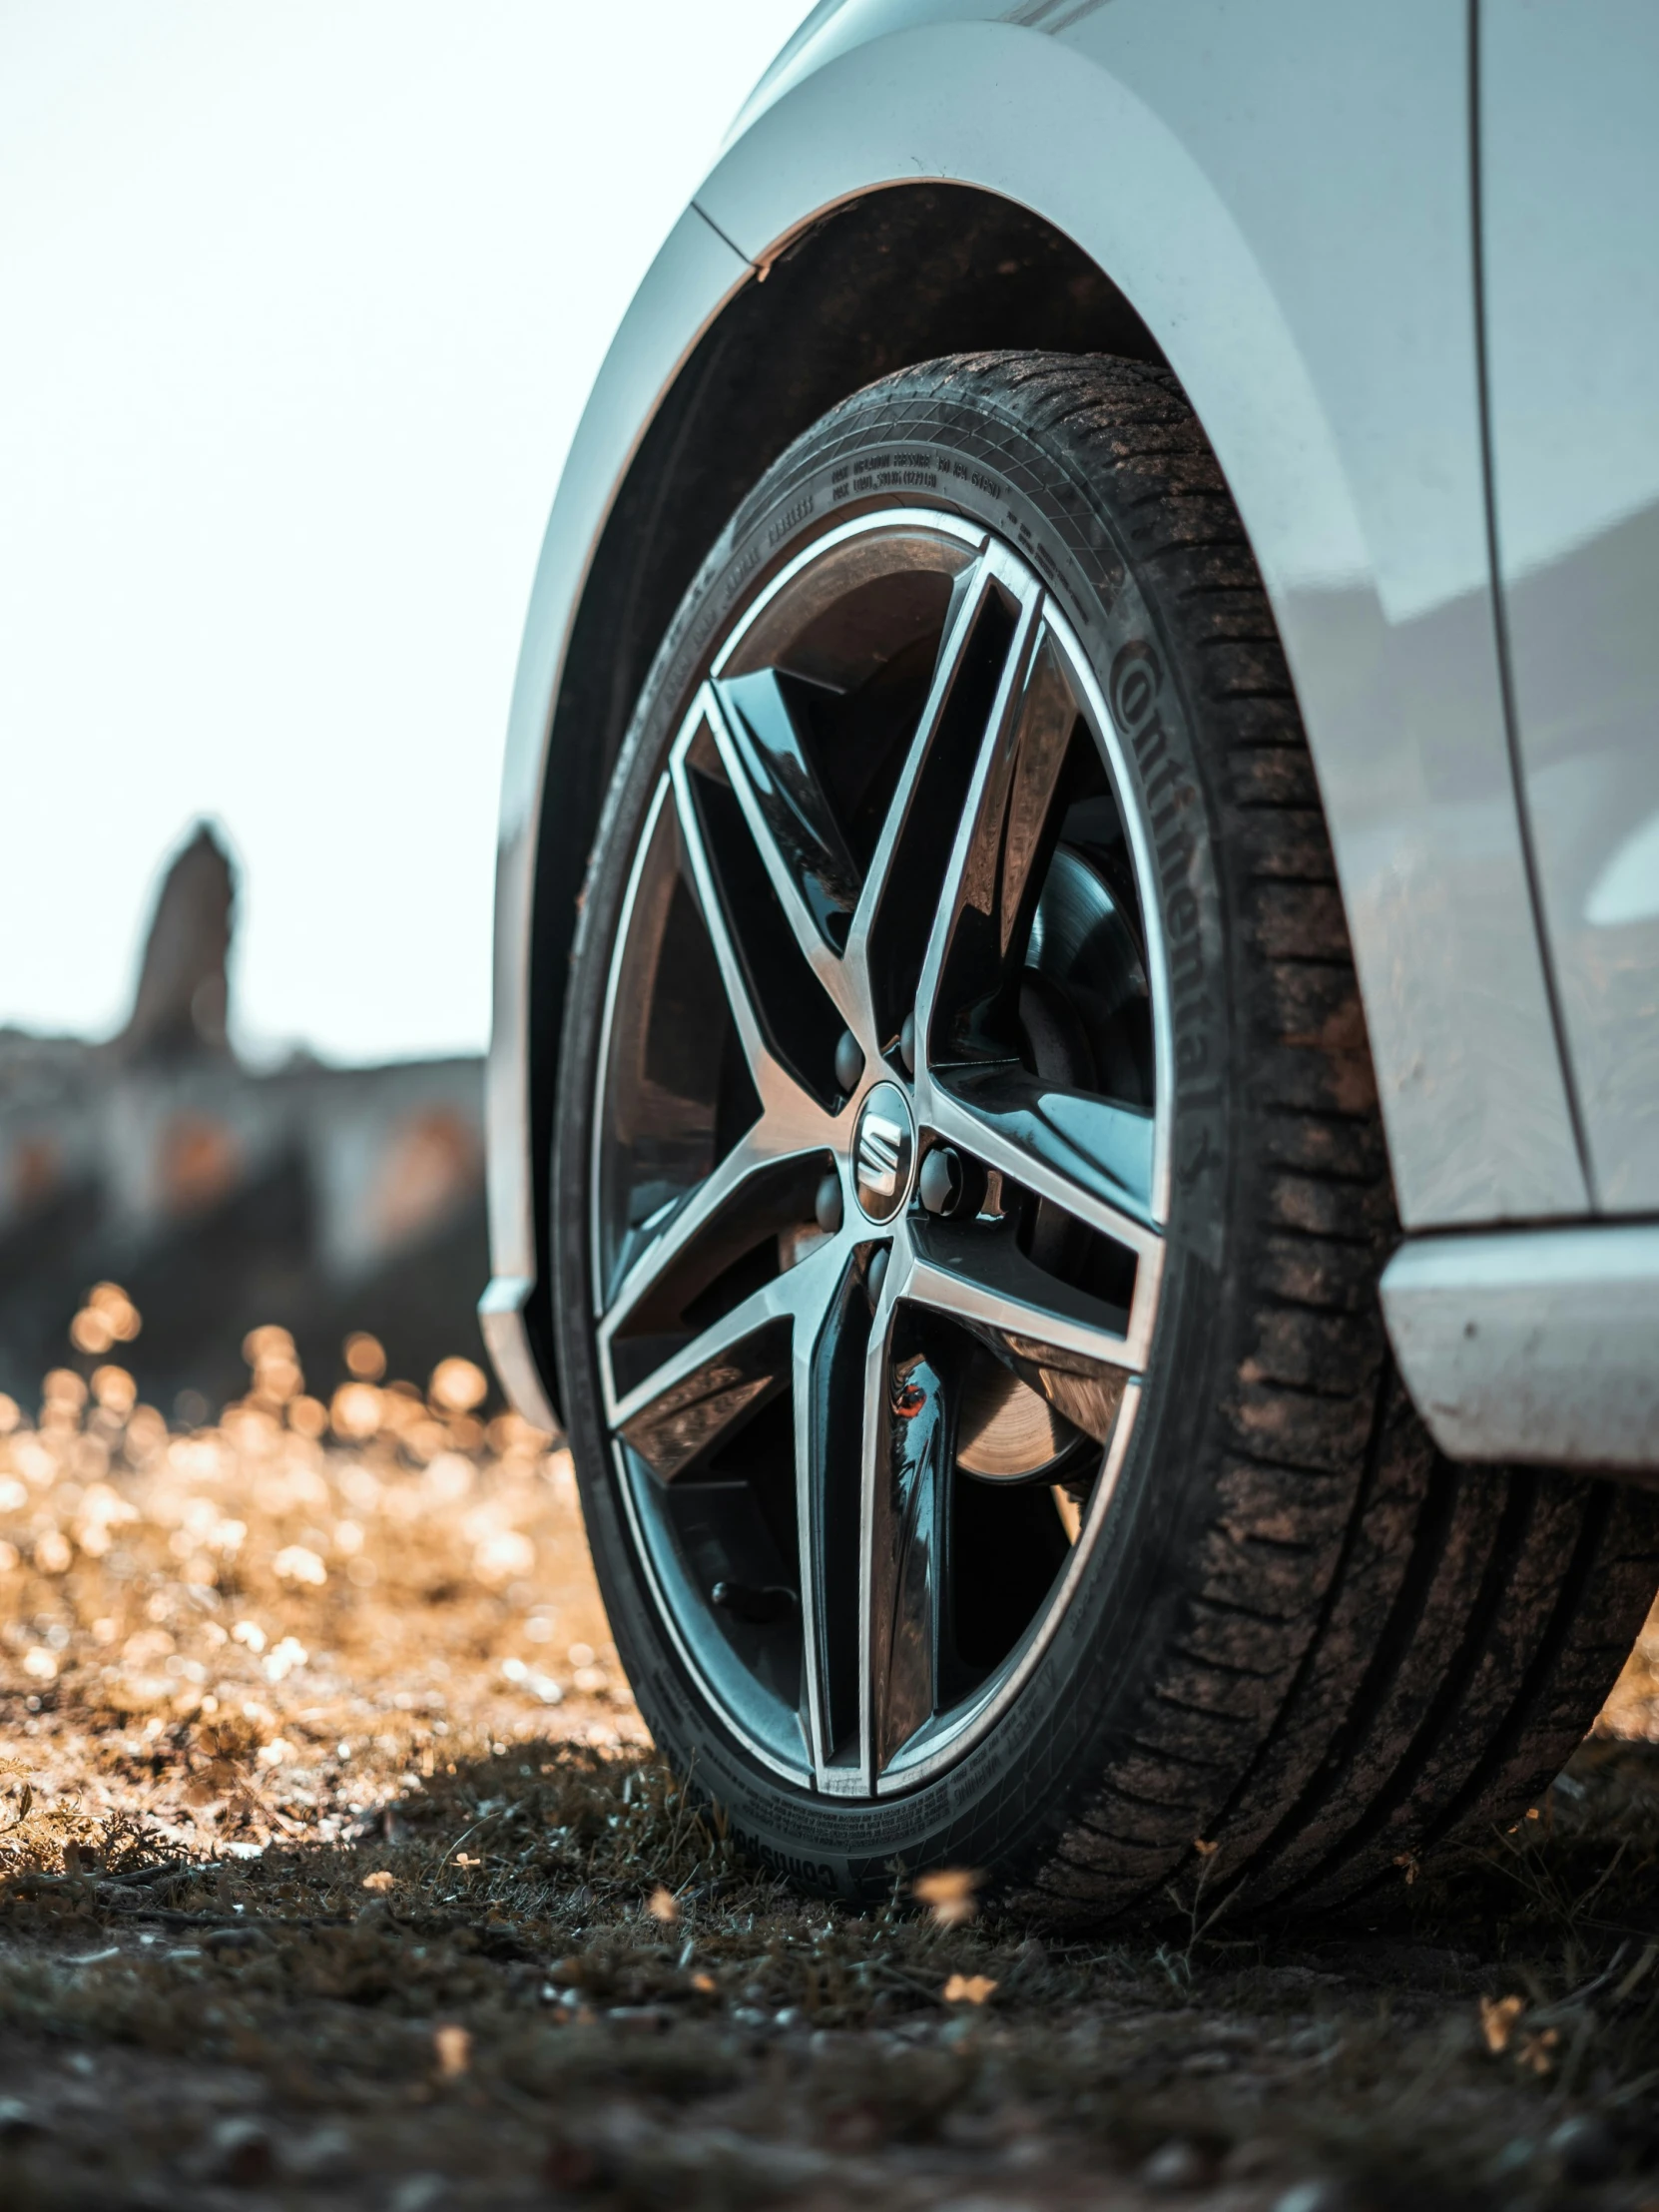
point(880, 1170)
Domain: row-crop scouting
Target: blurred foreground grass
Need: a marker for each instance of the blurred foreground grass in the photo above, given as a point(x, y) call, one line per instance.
point(267, 1628)
point(334, 1869)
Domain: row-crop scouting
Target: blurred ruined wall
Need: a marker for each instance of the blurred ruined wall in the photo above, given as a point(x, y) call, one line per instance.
point(321, 1199)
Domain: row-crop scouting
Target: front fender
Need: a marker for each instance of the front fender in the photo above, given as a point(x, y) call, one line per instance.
point(692, 277)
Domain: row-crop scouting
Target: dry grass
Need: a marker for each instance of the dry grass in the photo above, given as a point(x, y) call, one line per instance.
point(334, 1869)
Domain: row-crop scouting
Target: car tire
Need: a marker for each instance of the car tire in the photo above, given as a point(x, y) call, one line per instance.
point(1280, 1647)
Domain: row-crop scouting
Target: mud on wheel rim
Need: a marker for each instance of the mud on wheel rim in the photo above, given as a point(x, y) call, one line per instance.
point(880, 1167)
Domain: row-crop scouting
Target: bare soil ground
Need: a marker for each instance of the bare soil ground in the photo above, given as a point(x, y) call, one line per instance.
point(335, 1871)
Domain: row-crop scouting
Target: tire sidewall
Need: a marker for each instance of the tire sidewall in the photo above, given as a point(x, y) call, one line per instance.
point(913, 442)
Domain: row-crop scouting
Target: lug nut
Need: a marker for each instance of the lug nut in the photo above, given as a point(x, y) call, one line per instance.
point(758, 1604)
point(877, 1274)
point(949, 1184)
point(908, 1043)
point(826, 1203)
point(939, 1184)
point(850, 1062)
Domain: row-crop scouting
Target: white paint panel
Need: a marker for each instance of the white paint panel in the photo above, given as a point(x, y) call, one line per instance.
point(1570, 158)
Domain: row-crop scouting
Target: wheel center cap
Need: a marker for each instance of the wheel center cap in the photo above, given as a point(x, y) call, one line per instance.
point(884, 1152)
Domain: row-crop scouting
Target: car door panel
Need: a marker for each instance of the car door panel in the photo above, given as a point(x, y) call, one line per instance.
point(1570, 229)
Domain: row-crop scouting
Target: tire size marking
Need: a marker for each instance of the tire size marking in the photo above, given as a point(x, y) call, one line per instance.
point(984, 485)
point(899, 472)
point(791, 519)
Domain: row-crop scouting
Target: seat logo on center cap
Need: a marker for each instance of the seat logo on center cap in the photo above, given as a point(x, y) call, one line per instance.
point(884, 1152)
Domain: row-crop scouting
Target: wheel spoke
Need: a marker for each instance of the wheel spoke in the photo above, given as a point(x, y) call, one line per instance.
point(812, 876)
point(786, 1025)
point(771, 1079)
point(985, 641)
point(687, 1416)
point(828, 1404)
point(757, 731)
point(677, 1411)
point(908, 1460)
point(1090, 1156)
point(969, 985)
point(715, 1222)
point(1076, 1353)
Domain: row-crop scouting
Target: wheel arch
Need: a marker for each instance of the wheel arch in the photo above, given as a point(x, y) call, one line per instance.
point(837, 309)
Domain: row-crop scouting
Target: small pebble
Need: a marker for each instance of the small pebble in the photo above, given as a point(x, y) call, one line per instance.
point(1026, 2151)
point(238, 2151)
point(1209, 2062)
point(1322, 2195)
point(418, 2193)
point(1178, 2164)
point(233, 1943)
point(1585, 2148)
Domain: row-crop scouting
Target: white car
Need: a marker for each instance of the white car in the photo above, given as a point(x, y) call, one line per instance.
point(1075, 1094)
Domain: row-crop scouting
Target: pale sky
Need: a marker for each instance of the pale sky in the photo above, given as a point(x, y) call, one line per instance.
point(302, 304)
